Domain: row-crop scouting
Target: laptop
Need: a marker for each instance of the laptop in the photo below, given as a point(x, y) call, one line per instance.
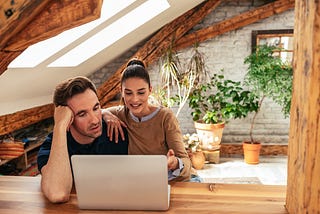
point(121, 182)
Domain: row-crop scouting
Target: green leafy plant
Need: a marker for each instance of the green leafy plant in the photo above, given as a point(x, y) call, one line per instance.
point(269, 76)
point(220, 100)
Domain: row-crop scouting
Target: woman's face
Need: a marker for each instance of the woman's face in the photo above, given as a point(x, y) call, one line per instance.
point(135, 92)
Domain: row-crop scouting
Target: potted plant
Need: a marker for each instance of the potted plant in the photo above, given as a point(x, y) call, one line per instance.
point(178, 81)
point(267, 76)
point(215, 103)
point(192, 145)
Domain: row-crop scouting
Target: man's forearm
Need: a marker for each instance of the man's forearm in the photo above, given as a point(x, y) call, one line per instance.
point(56, 182)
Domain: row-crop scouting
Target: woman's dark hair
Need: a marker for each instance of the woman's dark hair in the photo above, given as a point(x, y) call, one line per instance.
point(70, 87)
point(135, 68)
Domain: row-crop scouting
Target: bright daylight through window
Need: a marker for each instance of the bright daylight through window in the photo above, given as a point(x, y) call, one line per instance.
point(113, 31)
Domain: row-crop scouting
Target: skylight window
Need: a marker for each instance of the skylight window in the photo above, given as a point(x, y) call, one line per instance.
point(39, 52)
point(112, 33)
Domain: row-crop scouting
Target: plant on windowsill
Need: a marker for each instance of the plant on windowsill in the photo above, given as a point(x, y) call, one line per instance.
point(267, 76)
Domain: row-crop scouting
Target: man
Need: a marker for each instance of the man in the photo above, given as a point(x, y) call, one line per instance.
point(78, 129)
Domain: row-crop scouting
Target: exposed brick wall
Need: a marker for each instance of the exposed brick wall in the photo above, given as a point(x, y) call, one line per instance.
point(227, 52)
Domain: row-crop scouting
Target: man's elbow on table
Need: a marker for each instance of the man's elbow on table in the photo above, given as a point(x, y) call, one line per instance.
point(54, 192)
point(56, 196)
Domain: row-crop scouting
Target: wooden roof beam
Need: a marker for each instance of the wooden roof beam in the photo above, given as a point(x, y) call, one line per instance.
point(21, 31)
point(235, 22)
point(16, 15)
point(21, 119)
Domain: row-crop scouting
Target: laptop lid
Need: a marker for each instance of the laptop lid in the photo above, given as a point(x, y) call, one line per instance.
point(121, 182)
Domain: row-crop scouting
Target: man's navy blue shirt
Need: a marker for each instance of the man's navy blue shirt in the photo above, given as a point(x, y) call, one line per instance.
point(100, 146)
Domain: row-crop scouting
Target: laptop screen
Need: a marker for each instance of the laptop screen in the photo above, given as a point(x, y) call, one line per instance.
point(121, 182)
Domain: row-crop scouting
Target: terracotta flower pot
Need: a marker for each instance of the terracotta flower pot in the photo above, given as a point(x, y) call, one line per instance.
point(251, 152)
point(198, 159)
point(209, 134)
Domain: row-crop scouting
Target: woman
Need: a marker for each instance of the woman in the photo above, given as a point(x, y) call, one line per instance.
point(152, 130)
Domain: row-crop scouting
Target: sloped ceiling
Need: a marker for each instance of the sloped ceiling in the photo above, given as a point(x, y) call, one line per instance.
point(23, 88)
point(42, 80)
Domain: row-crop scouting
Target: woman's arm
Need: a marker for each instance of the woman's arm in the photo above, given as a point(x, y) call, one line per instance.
point(175, 142)
point(114, 124)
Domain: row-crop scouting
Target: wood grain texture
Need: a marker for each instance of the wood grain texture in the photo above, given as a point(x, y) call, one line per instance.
point(6, 58)
point(59, 16)
point(21, 119)
point(15, 15)
point(20, 194)
point(266, 149)
point(35, 21)
point(303, 194)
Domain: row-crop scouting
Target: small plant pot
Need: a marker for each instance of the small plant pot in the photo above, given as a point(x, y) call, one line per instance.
point(209, 134)
point(197, 159)
point(251, 152)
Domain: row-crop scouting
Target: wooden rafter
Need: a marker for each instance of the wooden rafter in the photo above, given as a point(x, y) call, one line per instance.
point(7, 57)
point(16, 15)
point(235, 22)
point(18, 120)
point(61, 15)
point(41, 20)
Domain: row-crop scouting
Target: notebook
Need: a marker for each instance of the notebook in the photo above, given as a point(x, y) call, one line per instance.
point(121, 182)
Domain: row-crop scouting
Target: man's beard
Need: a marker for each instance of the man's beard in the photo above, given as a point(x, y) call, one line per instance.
point(93, 131)
point(96, 132)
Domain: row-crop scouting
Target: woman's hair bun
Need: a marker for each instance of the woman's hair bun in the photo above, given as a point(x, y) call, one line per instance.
point(135, 61)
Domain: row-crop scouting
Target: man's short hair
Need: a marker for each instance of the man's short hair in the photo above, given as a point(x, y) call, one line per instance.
point(70, 87)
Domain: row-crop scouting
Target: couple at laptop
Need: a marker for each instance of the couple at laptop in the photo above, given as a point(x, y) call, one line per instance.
point(80, 129)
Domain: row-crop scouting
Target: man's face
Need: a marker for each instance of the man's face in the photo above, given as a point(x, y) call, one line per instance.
point(87, 122)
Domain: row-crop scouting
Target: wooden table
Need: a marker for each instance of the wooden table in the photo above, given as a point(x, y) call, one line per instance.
point(20, 194)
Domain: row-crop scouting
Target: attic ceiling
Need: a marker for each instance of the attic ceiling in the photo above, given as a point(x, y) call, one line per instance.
point(31, 22)
point(26, 93)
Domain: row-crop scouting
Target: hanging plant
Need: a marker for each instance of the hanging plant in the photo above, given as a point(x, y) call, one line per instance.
point(178, 82)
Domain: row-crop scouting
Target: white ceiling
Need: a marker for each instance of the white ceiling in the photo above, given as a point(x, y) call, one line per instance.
point(27, 87)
